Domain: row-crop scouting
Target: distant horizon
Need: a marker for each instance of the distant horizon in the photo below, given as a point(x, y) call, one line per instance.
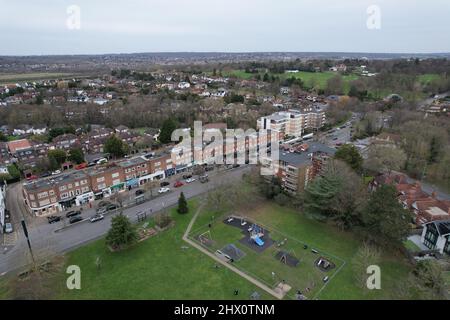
point(66, 27)
point(229, 52)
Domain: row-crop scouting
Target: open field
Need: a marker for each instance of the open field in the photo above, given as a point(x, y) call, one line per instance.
point(269, 266)
point(157, 268)
point(11, 77)
point(162, 267)
point(325, 238)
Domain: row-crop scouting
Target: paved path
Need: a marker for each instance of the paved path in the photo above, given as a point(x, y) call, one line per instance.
point(274, 293)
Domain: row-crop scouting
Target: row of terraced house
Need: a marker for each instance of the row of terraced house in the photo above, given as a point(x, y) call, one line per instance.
point(57, 193)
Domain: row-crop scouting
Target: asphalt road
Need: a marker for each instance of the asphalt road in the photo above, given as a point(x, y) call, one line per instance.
point(49, 239)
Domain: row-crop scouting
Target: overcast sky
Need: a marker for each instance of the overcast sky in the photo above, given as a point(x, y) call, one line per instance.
point(113, 26)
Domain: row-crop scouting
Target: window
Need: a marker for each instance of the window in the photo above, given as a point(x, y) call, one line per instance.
point(431, 237)
point(51, 192)
point(115, 175)
point(62, 188)
point(447, 245)
point(101, 179)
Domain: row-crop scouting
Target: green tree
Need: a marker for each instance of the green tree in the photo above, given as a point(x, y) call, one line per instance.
point(76, 155)
point(338, 194)
point(167, 128)
point(56, 158)
point(115, 147)
point(350, 155)
point(384, 218)
point(122, 232)
point(182, 204)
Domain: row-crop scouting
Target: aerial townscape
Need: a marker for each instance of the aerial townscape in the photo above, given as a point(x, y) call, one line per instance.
point(183, 174)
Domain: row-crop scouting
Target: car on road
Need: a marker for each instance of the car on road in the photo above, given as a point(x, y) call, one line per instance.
point(164, 184)
point(73, 214)
point(32, 177)
point(204, 178)
point(178, 184)
point(103, 203)
point(139, 192)
point(46, 174)
point(75, 219)
point(190, 180)
point(8, 227)
point(335, 138)
point(236, 165)
point(53, 219)
point(187, 176)
point(102, 161)
point(56, 172)
point(81, 166)
point(96, 218)
point(106, 208)
point(163, 190)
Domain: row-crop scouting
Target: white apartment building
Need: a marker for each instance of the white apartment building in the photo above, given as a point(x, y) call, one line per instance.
point(293, 122)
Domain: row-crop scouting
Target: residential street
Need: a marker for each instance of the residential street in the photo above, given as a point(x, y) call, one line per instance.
point(47, 239)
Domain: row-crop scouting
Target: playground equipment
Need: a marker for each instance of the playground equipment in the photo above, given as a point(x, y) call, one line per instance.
point(287, 258)
point(205, 238)
point(256, 234)
point(324, 264)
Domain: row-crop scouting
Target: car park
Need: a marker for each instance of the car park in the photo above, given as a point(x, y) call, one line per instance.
point(75, 219)
point(72, 213)
point(163, 190)
point(53, 219)
point(96, 218)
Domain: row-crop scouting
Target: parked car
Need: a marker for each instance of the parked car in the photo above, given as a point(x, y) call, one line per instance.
point(139, 192)
point(236, 165)
point(190, 180)
point(209, 168)
point(72, 213)
point(187, 176)
point(103, 203)
point(32, 177)
point(164, 183)
point(102, 161)
point(163, 190)
point(53, 219)
point(75, 219)
point(56, 172)
point(112, 207)
point(8, 227)
point(204, 178)
point(46, 174)
point(81, 166)
point(96, 218)
point(178, 184)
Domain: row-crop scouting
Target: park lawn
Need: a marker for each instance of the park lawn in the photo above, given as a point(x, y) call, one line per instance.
point(330, 240)
point(428, 77)
point(157, 268)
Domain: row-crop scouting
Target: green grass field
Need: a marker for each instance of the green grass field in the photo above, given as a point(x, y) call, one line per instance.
point(324, 238)
point(162, 268)
point(306, 277)
point(158, 268)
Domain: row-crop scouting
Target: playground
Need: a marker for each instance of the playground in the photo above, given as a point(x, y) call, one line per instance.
point(282, 262)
